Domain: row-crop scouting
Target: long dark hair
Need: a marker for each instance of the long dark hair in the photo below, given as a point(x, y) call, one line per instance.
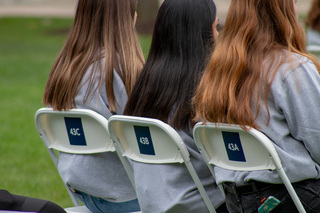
point(182, 40)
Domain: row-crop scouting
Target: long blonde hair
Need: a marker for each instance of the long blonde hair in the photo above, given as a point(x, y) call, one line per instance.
point(254, 31)
point(101, 29)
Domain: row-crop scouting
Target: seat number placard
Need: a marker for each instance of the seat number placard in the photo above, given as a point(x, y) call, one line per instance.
point(144, 140)
point(233, 146)
point(75, 131)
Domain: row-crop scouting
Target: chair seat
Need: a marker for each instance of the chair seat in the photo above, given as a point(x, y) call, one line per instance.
point(77, 209)
point(82, 209)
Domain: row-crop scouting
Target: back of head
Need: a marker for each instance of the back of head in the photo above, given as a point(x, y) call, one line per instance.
point(181, 26)
point(313, 17)
point(182, 39)
point(271, 23)
point(255, 30)
point(98, 21)
point(101, 29)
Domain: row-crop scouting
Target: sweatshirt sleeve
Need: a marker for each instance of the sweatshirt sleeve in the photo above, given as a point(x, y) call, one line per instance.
point(300, 104)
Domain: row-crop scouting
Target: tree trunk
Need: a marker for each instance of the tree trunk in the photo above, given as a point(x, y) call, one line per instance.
point(147, 13)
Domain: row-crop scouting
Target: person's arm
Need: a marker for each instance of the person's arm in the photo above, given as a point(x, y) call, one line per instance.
point(301, 106)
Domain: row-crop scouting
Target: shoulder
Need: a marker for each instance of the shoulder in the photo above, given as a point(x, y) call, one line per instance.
point(297, 66)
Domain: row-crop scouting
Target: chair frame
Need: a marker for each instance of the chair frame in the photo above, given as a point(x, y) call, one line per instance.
point(181, 154)
point(54, 144)
point(208, 135)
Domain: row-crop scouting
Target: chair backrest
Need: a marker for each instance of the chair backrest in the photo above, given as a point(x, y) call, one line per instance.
point(152, 141)
point(77, 131)
point(233, 148)
point(134, 135)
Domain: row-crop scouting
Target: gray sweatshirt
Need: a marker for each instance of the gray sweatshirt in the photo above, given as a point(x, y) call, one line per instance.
point(294, 127)
point(169, 187)
point(101, 175)
point(313, 36)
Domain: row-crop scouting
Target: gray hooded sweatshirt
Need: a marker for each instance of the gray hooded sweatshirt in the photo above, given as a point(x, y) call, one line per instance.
point(294, 126)
point(100, 175)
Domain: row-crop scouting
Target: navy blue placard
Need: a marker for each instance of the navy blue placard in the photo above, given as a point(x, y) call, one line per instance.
point(233, 146)
point(75, 131)
point(144, 140)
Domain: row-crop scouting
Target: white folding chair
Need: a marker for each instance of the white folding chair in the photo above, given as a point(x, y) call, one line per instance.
point(152, 141)
point(77, 131)
point(233, 148)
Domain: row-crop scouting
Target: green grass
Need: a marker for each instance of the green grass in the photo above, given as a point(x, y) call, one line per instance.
point(28, 47)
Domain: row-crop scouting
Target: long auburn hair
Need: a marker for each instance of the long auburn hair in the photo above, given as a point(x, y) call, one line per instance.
point(313, 17)
point(181, 41)
point(101, 29)
point(235, 78)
